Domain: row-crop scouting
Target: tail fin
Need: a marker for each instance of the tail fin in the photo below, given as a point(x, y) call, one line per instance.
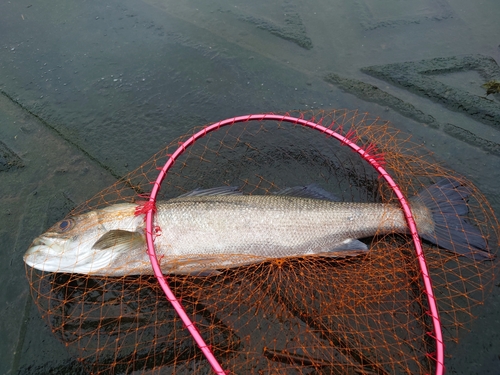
point(446, 200)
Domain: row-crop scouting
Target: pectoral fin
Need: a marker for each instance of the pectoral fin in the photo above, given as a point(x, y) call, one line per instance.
point(351, 244)
point(120, 240)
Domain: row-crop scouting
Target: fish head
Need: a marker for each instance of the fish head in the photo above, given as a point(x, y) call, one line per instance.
point(70, 245)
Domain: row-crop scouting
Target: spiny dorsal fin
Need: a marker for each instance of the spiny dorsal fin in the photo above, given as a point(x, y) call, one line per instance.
point(221, 190)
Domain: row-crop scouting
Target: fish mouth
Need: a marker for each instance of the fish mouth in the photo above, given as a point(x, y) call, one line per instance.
point(38, 242)
point(39, 245)
point(34, 254)
point(41, 251)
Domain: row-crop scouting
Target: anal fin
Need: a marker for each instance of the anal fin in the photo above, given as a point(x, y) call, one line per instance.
point(348, 248)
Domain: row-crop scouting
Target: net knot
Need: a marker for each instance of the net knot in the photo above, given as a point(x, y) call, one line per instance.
point(157, 231)
point(144, 207)
point(193, 325)
point(372, 152)
point(433, 336)
point(432, 355)
point(350, 136)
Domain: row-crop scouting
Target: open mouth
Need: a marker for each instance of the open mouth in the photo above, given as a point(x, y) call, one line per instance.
point(39, 246)
point(37, 242)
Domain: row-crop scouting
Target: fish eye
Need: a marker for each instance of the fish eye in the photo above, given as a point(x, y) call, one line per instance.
point(63, 226)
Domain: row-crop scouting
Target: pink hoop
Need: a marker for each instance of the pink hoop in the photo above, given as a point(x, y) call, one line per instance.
point(344, 140)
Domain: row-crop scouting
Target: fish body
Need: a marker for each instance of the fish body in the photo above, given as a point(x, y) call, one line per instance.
point(249, 229)
point(205, 231)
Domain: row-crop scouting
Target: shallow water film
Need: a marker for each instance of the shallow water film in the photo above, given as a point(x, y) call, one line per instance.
point(89, 91)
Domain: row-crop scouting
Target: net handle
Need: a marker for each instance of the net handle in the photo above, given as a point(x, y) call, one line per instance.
point(371, 159)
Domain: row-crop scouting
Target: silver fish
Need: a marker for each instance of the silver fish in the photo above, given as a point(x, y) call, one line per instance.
point(205, 231)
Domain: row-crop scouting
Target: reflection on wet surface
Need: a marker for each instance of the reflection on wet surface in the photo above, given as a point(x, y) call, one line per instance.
point(89, 92)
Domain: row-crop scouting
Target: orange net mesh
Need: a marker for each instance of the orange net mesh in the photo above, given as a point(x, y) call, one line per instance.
point(301, 315)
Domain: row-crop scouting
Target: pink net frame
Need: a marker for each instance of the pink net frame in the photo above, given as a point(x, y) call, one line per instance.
point(367, 154)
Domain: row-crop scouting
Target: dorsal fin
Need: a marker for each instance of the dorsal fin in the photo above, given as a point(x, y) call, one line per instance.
point(221, 190)
point(311, 191)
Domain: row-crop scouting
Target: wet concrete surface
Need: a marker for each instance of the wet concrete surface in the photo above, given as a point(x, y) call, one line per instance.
point(419, 78)
point(89, 91)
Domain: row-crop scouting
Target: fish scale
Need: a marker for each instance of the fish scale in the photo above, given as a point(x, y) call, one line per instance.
point(268, 226)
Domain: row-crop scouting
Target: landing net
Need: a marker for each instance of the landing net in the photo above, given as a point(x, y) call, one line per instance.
point(370, 314)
